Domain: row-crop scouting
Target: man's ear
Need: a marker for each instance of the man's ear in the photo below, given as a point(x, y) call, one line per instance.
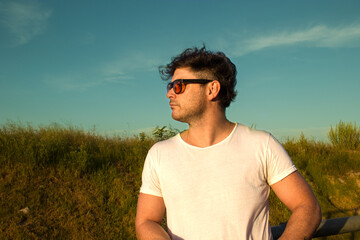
point(213, 89)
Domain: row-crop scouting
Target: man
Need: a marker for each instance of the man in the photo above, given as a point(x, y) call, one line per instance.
point(213, 180)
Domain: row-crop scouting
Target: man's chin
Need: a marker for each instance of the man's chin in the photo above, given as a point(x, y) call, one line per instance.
point(178, 118)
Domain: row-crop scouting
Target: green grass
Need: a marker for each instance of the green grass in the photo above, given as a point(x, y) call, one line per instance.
point(79, 185)
point(345, 135)
point(333, 174)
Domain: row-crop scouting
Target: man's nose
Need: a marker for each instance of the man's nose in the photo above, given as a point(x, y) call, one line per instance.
point(170, 93)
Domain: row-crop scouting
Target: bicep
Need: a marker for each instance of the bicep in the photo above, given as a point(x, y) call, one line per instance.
point(149, 208)
point(294, 191)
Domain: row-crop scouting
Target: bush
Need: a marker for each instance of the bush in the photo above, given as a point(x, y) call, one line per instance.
point(163, 133)
point(345, 135)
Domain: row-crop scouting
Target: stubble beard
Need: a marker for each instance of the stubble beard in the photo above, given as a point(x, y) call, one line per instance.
point(189, 113)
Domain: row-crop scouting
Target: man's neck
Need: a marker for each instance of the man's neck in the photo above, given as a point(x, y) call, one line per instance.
point(210, 131)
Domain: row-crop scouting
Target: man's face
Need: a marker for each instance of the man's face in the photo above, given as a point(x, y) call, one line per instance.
point(189, 105)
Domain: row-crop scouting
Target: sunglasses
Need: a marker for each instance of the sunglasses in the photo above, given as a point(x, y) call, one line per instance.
point(179, 84)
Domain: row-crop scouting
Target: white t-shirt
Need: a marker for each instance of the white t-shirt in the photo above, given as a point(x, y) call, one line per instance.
point(217, 192)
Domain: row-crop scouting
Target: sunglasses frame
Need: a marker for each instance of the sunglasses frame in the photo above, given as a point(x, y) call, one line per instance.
point(183, 83)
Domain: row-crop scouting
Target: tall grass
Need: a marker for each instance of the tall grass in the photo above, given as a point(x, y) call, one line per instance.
point(80, 185)
point(345, 135)
point(77, 184)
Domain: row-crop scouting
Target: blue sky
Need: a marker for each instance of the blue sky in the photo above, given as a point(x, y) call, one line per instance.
point(93, 64)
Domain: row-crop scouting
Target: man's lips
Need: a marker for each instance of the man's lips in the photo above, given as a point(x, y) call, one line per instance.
point(172, 104)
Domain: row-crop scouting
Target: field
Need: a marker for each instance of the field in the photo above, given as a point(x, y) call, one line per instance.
point(61, 182)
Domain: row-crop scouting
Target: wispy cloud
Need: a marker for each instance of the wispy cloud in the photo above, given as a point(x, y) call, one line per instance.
point(25, 20)
point(119, 71)
point(126, 66)
point(80, 81)
point(316, 36)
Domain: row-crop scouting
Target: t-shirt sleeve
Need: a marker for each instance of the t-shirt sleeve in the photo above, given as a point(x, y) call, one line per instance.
point(279, 164)
point(150, 179)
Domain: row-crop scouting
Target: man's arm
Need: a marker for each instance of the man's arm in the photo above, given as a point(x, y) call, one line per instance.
point(296, 194)
point(150, 212)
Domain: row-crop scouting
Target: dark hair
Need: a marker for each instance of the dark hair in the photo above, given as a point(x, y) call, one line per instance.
point(213, 65)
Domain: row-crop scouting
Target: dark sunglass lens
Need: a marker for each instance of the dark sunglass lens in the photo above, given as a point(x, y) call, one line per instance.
point(178, 87)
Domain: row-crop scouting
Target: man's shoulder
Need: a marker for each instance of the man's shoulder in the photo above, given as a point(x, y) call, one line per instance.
point(165, 144)
point(249, 132)
point(256, 139)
